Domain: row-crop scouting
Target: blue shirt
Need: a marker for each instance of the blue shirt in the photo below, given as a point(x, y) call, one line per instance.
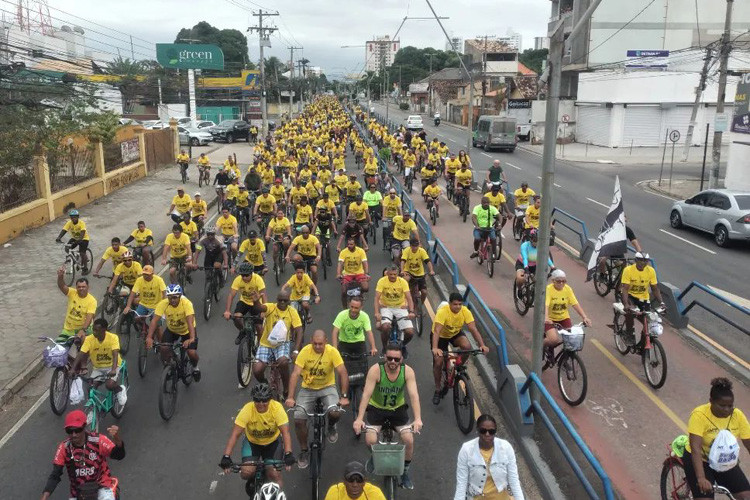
point(528, 254)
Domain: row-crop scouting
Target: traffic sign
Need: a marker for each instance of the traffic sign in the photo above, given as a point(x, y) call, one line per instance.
point(674, 135)
point(565, 118)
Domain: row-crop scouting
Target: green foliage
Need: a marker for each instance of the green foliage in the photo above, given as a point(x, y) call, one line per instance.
point(232, 42)
point(533, 59)
point(124, 67)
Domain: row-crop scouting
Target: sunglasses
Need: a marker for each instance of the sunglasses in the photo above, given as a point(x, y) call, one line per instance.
point(74, 430)
point(487, 431)
point(282, 300)
point(393, 359)
point(559, 281)
point(261, 401)
point(356, 479)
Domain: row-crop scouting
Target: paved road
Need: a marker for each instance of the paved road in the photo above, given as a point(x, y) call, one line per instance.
point(177, 459)
point(585, 191)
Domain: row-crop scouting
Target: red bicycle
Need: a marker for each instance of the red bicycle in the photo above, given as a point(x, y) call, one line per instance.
point(674, 485)
point(486, 252)
point(456, 377)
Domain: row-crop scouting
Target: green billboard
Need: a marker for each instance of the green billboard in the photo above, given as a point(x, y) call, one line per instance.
point(189, 56)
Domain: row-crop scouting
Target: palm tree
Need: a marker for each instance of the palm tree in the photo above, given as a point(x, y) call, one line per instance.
point(124, 67)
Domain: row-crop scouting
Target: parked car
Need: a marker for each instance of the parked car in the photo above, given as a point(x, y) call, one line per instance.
point(129, 121)
point(156, 125)
point(721, 212)
point(183, 121)
point(201, 124)
point(414, 122)
point(495, 132)
point(194, 136)
point(523, 131)
point(231, 130)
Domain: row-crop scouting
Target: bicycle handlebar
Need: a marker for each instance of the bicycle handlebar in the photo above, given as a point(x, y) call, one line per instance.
point(473, 352)
point(325, 413)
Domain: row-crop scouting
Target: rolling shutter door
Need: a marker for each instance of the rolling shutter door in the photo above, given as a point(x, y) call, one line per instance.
point(677, 118)
point(642, 126)
point(592, 125)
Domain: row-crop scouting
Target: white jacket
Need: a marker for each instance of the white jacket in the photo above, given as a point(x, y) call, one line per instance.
point(471, 470)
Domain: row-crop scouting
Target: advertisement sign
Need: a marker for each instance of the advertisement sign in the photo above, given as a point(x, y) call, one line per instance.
point(250, 80)
point(519, 103)
point(130, 150)
point(189, 56)
point(741, 121)
point(649, 59)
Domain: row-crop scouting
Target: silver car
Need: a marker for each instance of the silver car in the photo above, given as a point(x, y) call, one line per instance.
point(193, 136)
point(721, 212)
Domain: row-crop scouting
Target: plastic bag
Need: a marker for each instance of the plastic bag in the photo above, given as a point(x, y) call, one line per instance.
point(76, 391)
point(278, 333)
point(725, 452)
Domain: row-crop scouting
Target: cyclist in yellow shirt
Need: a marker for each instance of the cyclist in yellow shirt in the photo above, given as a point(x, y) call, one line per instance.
point(227, 224)
point(280, 229)
point(143, 238)
point(146, 293)
point(103, 349)
point(265, 205)
point(308, 246)
point(181, 204)
point(352, 266)
point(463, 182)
point(81, 307)
point(183, 160)
point(204, 165)
point(523, 196)
point(531, 219)
point(403, 228)
point(126, 271)
point(302, 289)
point(393, 302)
point(252, 294)
point(352, 188)
point(638, 282)
point(413, 260)
point(79, 237)
point(198, 208)
point(355, 486)
point(303, 214)
point(558, 299)
point(253, 250)
point(179, 315)
point(278, 191)
point(114, 252)
point(177, 247)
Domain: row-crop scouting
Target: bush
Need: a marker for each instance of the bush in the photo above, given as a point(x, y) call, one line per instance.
point(403, 105)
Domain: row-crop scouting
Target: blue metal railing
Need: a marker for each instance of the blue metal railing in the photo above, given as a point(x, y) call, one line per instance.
point(684, 310)
point(440, 253)
point(408, 205)
point(423, 225)
point(582, 232)
point(473, 300)
point(536, 408)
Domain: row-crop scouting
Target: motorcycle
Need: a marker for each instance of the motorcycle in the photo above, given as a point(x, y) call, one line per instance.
point(437, 120)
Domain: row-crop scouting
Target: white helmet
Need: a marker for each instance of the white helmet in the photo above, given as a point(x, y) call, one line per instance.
point(269, 491)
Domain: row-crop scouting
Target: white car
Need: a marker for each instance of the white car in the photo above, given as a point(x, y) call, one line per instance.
point(201, 124)
point(414, 122)
point(194, 136)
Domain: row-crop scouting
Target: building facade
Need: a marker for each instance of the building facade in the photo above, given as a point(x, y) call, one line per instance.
point(380, 53)
point(541, 42)
point(456, 43)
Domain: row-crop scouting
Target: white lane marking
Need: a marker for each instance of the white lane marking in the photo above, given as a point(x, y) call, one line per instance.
point(598, 203)
point(688, 241)
point(511, 165)
point(485, 154)
point(554, 183)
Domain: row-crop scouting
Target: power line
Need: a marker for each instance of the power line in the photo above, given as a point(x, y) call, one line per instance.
point(101, 25)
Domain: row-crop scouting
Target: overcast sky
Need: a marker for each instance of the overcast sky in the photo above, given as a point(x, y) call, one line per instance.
point(320, 26)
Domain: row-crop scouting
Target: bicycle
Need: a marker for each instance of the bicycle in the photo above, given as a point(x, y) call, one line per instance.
point(181, 270)
point(173, 372)
point(61, 360)
point(416, 298)
point(450, 188)
point(462, 202)
point(388, 458)
point(518, 222)
point(259, 478)
point(113, 303)
point(183, 172)
point(247, 349)
point(456, 376)
point(486, 252)
point(279, 260)
point(357, 366)
point(140, 323)
point(523, 296)
point(571, 372)
point(325, 253)
point(214, 281)
point(204, 176)
point(652, 353)
point(409, 179)
point(72, 263)
point(432, 210)
point(673, 483)
point(605, 282)
point(316, 446)
point(97, 406)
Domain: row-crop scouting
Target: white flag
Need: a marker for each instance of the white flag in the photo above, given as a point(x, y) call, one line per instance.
point(612, 239)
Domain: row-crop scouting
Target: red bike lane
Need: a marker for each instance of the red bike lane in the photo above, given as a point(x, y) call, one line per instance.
point(625, 422)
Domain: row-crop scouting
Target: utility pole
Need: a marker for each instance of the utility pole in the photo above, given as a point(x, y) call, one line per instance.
point(698, 94)
point(291, 77)
point(726, 48)
point(429, 84)
point(132, 51)
point(484, 72)
point(263, 41)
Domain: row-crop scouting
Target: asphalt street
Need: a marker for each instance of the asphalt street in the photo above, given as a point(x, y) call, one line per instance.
point(178, 459)
point(585, 190)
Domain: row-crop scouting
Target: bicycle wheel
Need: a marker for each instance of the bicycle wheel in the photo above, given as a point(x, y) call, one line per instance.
point(464, 207)
point(390, 487)
point(59, 390)
point(517, 229)
point(168, 392)
point(142, 355)
point(117, 409)
point(89, 261)
point(655, 364)
point(244, 362)
point(673, 483)
point(374, 231)
point(92, 418)
point(618, 326)
point(315, 464)
point(418, 316)
point(181, 276)
point(183, 174)
point(208, 296)
point(601, 283)
point(324, 261)
point(491, 265)
point(463, 403)
point(124, 329)
point(109, 308)
point(433, 216)
point(522, 306)
point(571, 378)
point(70, 270)
point(277, 385)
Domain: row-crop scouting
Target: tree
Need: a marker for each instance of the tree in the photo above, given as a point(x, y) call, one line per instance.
point(232, 42)
point(533, 59)
point(124, 67)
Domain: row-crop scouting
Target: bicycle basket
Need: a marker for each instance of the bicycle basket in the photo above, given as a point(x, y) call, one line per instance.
point(55, 356)
point(573, 339)
point(388, 459)
point(655, 328)
point(356, 366)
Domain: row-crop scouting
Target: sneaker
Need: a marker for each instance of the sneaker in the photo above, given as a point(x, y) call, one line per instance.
point(405, 481)
point(629, 338)
point(122, 396)
point(370, 465)
point(473, 255)
point(239, 338)
point(333, 434)
point(197, 374)
point(303, 460)
point(436, 398)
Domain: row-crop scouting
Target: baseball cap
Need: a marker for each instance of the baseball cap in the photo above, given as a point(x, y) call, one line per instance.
point(352, 469)
point(197, 193)
point(639, 255)
point(77, 418)
point(180, 188)
point(148, 270)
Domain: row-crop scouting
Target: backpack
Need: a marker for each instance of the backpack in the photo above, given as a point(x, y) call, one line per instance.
point(725, 451)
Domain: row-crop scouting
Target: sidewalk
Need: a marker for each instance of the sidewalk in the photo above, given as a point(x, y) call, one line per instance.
point(32, 304)
point(680, 189)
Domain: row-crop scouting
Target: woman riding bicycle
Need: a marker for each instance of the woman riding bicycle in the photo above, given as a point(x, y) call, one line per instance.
point(558, 299)
point(526, 262)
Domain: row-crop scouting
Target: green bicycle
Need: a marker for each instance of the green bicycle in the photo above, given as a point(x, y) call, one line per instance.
point(98, 404)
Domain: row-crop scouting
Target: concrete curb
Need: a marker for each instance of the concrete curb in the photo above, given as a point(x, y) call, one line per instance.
point(651, 185)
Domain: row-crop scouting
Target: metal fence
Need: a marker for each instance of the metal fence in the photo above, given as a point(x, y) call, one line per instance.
point(70, 166)
point(17, 186)
point(120, 154)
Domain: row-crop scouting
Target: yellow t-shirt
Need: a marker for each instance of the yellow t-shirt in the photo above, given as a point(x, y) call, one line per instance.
point(403, 229)
point(78, 308)
point(226, 225)
point(324, 176)
point(392, 293)
point(176, 317)
point(246, 288)
point(558, 302)
point(318, 369)
point(369, 492)
point(279, 227)
point(232, 191)
point(129, 274)
point(341, 181)
point(265, 204)
point(262, 428)
point(330, 205)
point(243, 199)
point(254, 251)
point(533, 214)
point(141, 237)
point(707, 425)
point(463, 177)
point(198, 208)
point(290, 317)
point(296, 193)
point(333, 192)
point(306, 246)
point(414, 261)
point(115, 255)
point(495, 201)
point(523, 198)
point(178, 247)
point(76, 230)
point(150, 291)
point(352, 188)
point(452, 166)
point(101, 353)
point(304, 175)
point(371, 167)
point(183, 158)
point(303, 214)
point(640, 281)
point(452, 322)
point(278, 191)
point(391, 206)
point(203, 161)
point(359, 210)
point(191, 230)
point(352, 261)
point(432, 191)
point(313, 189)
point(299, 288)
point(182, 204)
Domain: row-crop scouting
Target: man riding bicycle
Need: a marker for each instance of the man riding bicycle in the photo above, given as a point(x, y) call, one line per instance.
point(177, 247)
point(350, 328)
point(373, 199)
point(79, 237)
point(352, 230)
point(308, 246)
point(403, 229)
point(413, 260)
point(361, 213)
point(352, 266)
point(227, 224)
point(393, 302)
point(146, 294)
point(103, 349)
point(302, 290)
point(496, 175)
point(81, 307)
point(485, 218)
point(181, 204)
point(144, 239)
point(183, 160)
point(637, 280)
point(252, 295)
point(253, 250)
point(216, 253)
point(463, 182)
point(281, 230)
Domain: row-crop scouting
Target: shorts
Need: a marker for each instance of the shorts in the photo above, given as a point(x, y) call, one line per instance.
point(565, 324)
point(348, 278)
point(443, 342)
point(270, 354)
point(98, 372)
point(138, 251)
point(481, 233)
point(244, 308)
point(298, 302)
point(309, 260)
point(173, 261)
point(519, 267)
point(400, 315)
point(142, 310)
point(418, 281)
point(734, 479)
point(306, 398)
point(104, 493)
point(212, 258)
point(253, 452)
point(171, 337)
point(402, 243)
point(376, 417)
point(643, 305)
point(229, 239)
point(82, 245)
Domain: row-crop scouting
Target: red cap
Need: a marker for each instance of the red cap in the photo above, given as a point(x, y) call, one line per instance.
point(75, 418)
point(278, 181)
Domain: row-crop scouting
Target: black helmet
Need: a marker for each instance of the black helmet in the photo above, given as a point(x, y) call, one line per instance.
point(261, 392)
point(245, 268)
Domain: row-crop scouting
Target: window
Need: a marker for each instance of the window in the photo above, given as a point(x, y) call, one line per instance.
point(743, 201)
point(700, 199)
point(719, 201)
point(502, 127)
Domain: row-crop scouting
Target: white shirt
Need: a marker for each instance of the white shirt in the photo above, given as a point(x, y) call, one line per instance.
point(471, 470)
